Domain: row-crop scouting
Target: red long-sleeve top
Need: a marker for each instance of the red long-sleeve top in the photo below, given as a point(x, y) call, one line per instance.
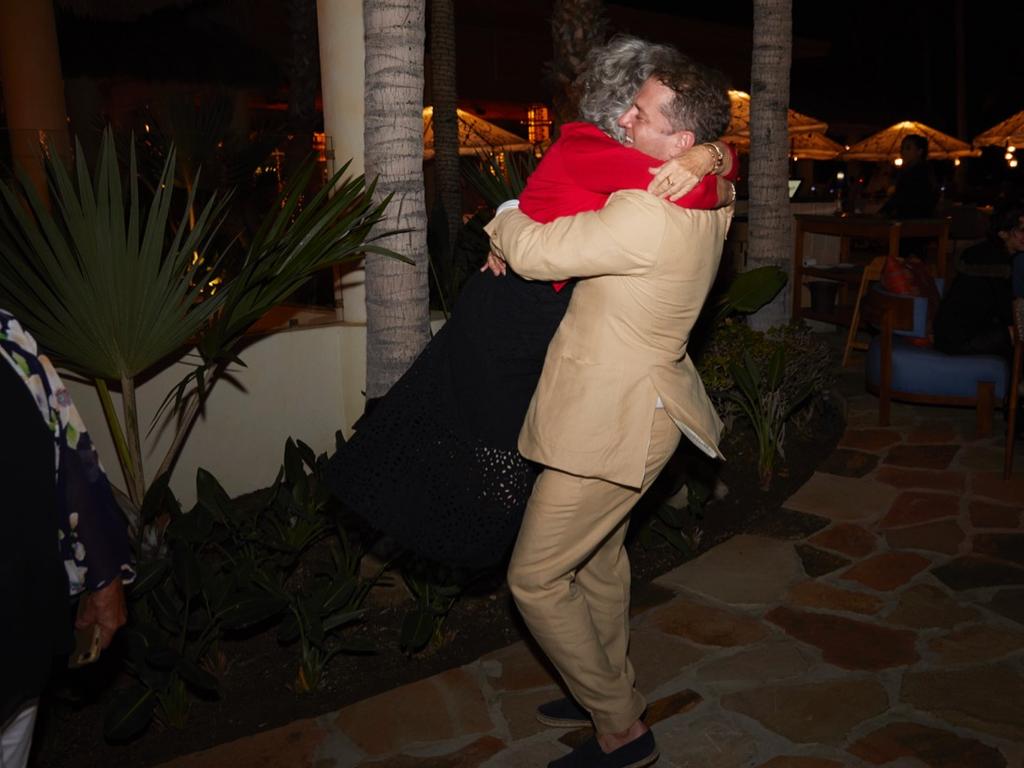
point(585, 166)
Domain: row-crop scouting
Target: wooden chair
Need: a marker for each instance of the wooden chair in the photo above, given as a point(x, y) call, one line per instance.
point(872, 273)
point(1017, 333)
point(899, 369)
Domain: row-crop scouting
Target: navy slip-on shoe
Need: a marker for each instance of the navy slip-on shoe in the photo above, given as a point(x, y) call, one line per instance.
point(563, 713)
point(638, 753)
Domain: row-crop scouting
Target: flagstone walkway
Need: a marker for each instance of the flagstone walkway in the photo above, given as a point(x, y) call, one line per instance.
point(894, 635)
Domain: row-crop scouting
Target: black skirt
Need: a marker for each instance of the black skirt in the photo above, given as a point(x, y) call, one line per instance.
point(434, 465)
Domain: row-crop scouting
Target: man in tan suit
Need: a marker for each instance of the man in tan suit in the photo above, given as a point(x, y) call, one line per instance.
point(616, 393)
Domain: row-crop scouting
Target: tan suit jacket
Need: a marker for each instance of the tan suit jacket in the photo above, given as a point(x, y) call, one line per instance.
point(622, 343)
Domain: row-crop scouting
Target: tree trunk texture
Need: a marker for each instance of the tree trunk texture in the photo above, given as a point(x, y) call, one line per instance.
point(448, 201)
point(576, 27)
point(397, 317)
point(303, 79)
point(771, 222)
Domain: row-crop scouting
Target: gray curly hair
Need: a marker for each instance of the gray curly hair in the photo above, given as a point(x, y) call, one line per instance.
point(615, 72)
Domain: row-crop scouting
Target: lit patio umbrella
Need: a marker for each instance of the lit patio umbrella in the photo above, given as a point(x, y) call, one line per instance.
point(738, 132)
point(475, 135)
point(1010, 132)
point(884, 146)
point(813, 146)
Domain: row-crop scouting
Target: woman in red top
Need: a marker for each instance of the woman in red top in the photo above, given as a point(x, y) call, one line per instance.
point(434, 464)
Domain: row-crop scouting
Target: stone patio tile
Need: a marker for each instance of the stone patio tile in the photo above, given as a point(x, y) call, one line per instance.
point(436, 709)
point(470, 756)
point(985, 514)
point(518, 755)
point(916, 507)
point(933, 747)
point(842, 498)
point(847, 538)
point(848, 643)
point(870, 439)
point(924, 606)
point(886, 571)
point(976, 644)
point(657, 657)
point(515, 668)
point(935, 432)
point(519, 708)
point(776, 660)
point(943, 536)
point(849, 463)
point(710, 740)
point(992, 485)
point(983, 698)
point(705, 624)
point(1002, 546)
point(974, 571)
point(816, 594)
point(934, 480)
point(646, 595)
point(1009, 603)
point(800, 761)
point(921, 456)
point(290, 746)
point(724, 572)
point(983, 458)
point(821, 712)
point(669, 706)
point(817, 562)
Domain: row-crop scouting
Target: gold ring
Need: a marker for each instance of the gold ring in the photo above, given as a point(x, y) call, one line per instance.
point(668, 180)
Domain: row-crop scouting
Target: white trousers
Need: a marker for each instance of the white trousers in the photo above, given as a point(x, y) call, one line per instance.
point(16, 736)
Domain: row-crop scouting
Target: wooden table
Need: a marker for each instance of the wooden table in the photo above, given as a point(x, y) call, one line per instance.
point(848, 272)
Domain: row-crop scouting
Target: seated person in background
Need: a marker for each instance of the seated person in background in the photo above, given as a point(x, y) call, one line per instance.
point(975, 312)
point(916, 193)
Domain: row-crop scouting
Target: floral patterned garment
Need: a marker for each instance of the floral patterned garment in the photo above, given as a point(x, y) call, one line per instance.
point(92, 536)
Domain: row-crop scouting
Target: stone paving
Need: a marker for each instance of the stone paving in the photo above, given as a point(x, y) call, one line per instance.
point(892, 636)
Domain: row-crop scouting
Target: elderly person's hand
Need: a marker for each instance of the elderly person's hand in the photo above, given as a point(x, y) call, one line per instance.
point(494, 263)
point(679, 175)
point(105, 608)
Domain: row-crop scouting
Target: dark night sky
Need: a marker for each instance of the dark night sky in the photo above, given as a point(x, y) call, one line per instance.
point(859, 66)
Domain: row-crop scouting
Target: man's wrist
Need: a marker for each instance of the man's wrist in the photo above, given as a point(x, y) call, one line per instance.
point(717, 156)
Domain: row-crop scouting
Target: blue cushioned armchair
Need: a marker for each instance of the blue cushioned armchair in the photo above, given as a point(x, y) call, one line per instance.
point(900, 369)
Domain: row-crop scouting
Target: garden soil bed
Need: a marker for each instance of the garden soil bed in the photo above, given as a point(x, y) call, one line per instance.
point(256, 688)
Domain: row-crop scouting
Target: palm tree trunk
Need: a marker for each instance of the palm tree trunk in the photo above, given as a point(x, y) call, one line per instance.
point(397, 318)
point(576, 27)
point(771, 223)
point(446, 133)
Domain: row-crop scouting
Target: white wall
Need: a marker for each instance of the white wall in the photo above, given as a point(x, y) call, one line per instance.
point(304, 383)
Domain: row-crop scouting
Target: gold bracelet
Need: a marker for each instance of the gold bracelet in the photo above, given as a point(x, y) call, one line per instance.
point(718, 156)
point(732, 194)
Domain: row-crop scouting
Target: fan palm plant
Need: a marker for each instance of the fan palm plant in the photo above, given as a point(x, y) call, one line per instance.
point(113, 287)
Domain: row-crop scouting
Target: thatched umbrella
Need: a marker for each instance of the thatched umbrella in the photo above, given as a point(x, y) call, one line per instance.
point(813, 146)
point(738, 132)
point(1010, 132)
point(475, 135)
point(884, 146)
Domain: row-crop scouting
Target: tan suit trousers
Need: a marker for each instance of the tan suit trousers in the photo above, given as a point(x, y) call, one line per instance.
point(570, 578)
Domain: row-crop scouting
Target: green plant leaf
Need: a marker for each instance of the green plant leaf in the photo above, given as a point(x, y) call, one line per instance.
point(251, 609)
point(417, 629)
point(130, 711)
point(186, 569)
point(749, 291)
point(150, 574)
point(197, 677)
point(212, 495)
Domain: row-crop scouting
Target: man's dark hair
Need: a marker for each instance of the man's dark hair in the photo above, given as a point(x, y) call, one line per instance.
point(701, 102)
point(918, 141)
point(1006, 217)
